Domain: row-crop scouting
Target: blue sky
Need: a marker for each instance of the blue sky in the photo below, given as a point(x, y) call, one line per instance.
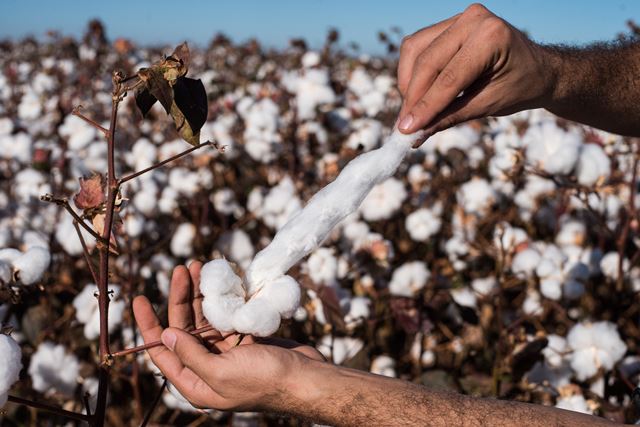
point(275, 22)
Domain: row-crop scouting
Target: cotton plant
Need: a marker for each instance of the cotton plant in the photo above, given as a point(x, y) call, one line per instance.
point(10, 355)
point(87, 313)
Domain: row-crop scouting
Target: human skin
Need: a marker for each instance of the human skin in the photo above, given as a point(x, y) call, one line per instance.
point(282, 376)
point(500, 71)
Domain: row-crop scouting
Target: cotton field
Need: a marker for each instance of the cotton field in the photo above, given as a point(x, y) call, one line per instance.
point(500, 258)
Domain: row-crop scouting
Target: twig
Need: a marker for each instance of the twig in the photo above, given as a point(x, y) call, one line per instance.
point(159, 343)
point(61, 201)
point(76, 112)
point(49, 408)
point(164, 162)
point(85, 251)
point(147, 417)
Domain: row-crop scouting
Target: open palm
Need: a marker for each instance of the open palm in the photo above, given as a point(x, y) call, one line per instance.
point(213, 371)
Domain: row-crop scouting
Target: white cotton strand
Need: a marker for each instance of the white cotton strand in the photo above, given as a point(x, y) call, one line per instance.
point(268, 295)
point(306, 230)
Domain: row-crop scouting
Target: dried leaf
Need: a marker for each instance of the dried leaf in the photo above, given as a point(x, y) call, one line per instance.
point(181, 53)
point(144, 101)
point(160, 88)
point(331, 307)
point(191, 108)
point(98, 225)
point(91, 194)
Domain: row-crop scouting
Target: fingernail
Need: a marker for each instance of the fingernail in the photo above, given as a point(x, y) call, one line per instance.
point(405, 123)
point(168, 339)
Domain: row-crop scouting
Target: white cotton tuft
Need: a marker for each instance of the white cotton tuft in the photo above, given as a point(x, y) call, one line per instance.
point(223, 294)
point(283, 294)
point(609, 265)
point(525, 262)
point(383, 365)
point(52, 369)
point(182, 240)
point(383, 200)
point(476, 196)
point(322, 266)
point(595, 346)
point(256, 318)
point(552, 149)
point(31, 265)
point(423, 224)
point(409, 278)
point(10, 365)
point(593, 165)
point(464, 297)
point(88, 313)
point(339, 349)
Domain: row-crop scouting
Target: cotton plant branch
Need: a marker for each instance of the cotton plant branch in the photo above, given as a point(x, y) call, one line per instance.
point(154, 405)
point(85, 252)
point(154, 344)
point(50, 408)
point(76, 112)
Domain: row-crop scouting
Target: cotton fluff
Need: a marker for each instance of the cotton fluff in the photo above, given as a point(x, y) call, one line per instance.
point(552, 149)
point(339, 349)
point(297, 238)
point(31, 265)
point(464, 297)
point(383, 365)
point(52, 369)
point(261, 139)
point(67, 236)
point(237, 246)
point(322, 266)
point(225, 307)
point(359, 309)
point(366, 135)
point(408, 279)
point(278, 206)
point(610, 263)
point(383, 200)
point(312, 89)
point(525, 262)
point(595, 346)
point(423, 223)
point(182, 240)
point(10, 365)
point(88, 313)
point(78, 132)
point(593, 165)
point(476, 196)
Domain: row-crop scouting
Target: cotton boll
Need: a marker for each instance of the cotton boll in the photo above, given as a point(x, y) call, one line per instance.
point(237, 246)
point(463, 138)
point(182, 240)
point(552, 149)
point(224, 201)
point(428, 359)
point(476, 196)
point(422, 224)
point(593, 165)
point(184, 181)
point(6, 273)
point(10, 365)
point(31, 265)
point(531, 304)
point(310, 59)
point(508, 238)
point(283, 294)
point(575, 403)
point(484, 286)
point(88, 313)
point(554, 352)
point(9, 255)
point(52, 369)
point(67, 236)
point(367, 134)
point(78, 132)
point(610, 263)
point(30, 184)
point(525, 262)
point(383, 200)
point(322, 266)
point(383, 365)
point(464, 297)
point(595, 345)
point(223, 294)
point(339, 349)
point(359, 309)
point(409, 278)
point(256, 317)
point(572, 233)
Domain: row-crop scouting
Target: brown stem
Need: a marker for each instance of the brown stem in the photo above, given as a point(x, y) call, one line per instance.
point(153, 344)
point(85, 251)
point(49, 408)
point(164, 162)
point(76, 112)
point(153, 406)
point(103, 292)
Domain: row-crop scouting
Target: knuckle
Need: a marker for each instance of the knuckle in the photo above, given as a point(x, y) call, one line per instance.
point(496, 30)
point(447, 78)
point(422, 59)
point(407, 44)
point(420, 106)
point(476, 9)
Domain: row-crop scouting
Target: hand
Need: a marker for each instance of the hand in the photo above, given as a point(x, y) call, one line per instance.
point(212, 372)
point(496, 67)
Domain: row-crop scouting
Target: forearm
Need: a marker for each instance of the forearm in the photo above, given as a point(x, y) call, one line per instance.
point(344, 397)
point(598, 85)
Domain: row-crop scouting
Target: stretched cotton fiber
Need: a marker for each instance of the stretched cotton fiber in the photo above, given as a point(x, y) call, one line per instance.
point(271, 295)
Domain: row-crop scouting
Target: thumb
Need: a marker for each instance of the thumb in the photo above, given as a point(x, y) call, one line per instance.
point(189, 350)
